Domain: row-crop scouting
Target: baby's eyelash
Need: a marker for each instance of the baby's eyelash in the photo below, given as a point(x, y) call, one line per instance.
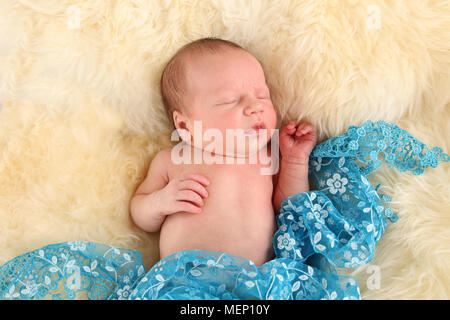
point(238, 99)
point(224, 103)
point(233, 101)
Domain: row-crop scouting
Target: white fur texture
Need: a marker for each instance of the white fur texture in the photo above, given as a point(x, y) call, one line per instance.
point(81, 115)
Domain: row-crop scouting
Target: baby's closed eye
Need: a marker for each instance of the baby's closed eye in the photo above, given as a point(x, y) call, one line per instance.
point(236, 100)
point(230, 102)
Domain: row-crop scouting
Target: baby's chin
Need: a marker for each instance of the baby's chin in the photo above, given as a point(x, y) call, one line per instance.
point(254, 142)
point(232, 143)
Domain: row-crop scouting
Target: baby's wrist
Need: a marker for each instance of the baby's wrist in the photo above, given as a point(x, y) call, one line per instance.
point(294, 165)
point(294, 161)
point(159, 203)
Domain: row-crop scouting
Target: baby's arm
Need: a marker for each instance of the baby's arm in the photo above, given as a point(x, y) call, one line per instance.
point(158, 197)
point(292, 179)
point(145, 205)
point(296, 143)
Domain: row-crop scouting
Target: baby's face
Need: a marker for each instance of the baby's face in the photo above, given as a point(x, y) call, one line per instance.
point(229, 91)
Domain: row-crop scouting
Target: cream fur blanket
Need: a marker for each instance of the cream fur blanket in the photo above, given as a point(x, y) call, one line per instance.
point(81, 115)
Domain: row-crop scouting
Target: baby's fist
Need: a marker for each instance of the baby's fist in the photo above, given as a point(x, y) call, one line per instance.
point(297, 140)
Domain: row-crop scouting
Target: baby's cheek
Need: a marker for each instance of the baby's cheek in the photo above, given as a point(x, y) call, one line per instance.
point(273, 119)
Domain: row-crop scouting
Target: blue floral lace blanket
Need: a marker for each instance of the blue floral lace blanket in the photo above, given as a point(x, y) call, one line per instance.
point(335, 226)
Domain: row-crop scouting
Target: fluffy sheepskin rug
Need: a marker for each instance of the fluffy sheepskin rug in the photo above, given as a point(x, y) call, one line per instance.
point(81, 115)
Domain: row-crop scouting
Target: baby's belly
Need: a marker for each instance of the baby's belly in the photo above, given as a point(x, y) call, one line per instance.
point(226, 224)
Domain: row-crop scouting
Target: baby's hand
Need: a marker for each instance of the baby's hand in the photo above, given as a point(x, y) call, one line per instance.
point(184, 194)
point(297, 140)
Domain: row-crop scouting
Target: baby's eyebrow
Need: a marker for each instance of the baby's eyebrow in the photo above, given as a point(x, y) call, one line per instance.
point(264, 89)
point(222, 97)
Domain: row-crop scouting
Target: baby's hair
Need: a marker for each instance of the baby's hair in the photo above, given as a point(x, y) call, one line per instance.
point(173, 78)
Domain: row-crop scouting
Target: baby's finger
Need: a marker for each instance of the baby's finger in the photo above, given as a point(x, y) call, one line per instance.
point(291, 124)
point(194, 186)
point(303, 128)
point(289, 128)
point(302, 131)
point(196, 177)
point(191, 196)
point(187, 207)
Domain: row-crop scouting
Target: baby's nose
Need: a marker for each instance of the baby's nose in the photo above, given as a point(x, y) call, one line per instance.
point(253, 107)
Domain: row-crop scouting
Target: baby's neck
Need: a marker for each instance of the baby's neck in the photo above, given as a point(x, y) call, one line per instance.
point(202, 156)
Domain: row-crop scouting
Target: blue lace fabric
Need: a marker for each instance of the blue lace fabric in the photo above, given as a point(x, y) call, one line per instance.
point(337, 225)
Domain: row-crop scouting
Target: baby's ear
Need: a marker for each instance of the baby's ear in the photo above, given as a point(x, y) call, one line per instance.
point(179, 120)
point(181, 125)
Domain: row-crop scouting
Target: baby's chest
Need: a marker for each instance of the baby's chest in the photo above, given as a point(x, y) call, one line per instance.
point(244, 181)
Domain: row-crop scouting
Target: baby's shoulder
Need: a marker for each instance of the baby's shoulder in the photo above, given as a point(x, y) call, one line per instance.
point(160, 164)
point(162, 158)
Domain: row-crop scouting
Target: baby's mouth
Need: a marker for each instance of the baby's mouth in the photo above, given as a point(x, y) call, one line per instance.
point(256, 128)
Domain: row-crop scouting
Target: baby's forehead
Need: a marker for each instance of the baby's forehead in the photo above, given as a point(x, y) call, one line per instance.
point(236, 67)
point(229, 53)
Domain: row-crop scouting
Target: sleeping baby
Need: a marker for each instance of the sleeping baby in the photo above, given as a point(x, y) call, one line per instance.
point(225, 206)
point(229, 228)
